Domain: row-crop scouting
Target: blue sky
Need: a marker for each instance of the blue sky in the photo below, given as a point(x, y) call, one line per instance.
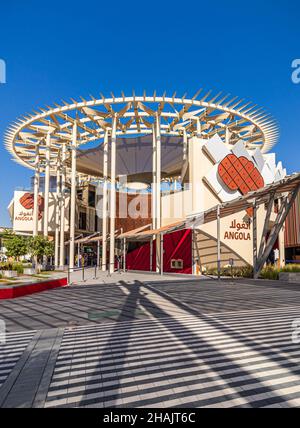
point(57, 50)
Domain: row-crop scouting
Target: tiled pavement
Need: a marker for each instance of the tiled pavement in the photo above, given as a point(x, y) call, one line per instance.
point(223, 360)
point(173, 344)
point(11, 351)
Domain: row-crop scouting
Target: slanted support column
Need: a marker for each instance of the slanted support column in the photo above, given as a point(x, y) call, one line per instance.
point(104, 205)
point(73, 196)
point(62, 207)
point(219, 240)
point(254, 238)
point(35, 230)
point(158, 191)
point(113, 196)
point(57, 213)
point(47, 184)
point(281, 217)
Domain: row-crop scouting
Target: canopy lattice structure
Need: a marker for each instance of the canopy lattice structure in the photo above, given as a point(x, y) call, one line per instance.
point(203, 115)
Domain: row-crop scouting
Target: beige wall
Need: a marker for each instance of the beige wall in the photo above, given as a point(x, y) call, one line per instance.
point(22, 218)
point(236, 244)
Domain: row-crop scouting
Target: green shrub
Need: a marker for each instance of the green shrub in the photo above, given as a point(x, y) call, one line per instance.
point(19, 267)
point(291, 268)
point(236, 272)
point(270, 272)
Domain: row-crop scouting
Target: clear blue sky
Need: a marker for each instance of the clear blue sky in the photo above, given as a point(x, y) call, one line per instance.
point(60, 49)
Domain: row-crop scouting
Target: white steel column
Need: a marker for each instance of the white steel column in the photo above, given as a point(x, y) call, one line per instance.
point(104, 205)
point(47, 184)
point(36, 192)
point(153, 188)
point(185, 145)
point(161, 253)
point(112, 197)
point(73, 197)
point(219, 241)
point(124, 255)
point(57, 212)
point(62, 207)
point(158, 191)
point(254, 238)
point(199, 130)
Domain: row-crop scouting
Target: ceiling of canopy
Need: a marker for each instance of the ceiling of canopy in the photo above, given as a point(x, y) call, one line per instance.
point(134, 158)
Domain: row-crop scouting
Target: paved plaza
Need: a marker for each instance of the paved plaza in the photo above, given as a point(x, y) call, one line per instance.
point(138, 340)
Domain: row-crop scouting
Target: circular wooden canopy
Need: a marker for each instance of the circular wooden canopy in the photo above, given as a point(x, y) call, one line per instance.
point(203, 115)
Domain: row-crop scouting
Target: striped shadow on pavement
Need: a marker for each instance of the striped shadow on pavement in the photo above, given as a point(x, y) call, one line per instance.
point(11, 351)
point(243, 359)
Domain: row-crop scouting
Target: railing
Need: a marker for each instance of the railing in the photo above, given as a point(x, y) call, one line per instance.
point(85, 270)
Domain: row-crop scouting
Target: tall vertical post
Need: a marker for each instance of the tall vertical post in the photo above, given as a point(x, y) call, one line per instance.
point(57, 212)
point(281, 241)
point(154, 180)
point(158, 191)
point(78, 254)
point(104, 209)
point(47, 184)
point(124, 255)
point(185, 145)
point(98, 253)
point(199, 130)
point(161, 254)
point(219, 240)
point(254, 238)
point(36, 192)
point(112, 196)
point(73, 196)
point(62, 207)
point(151, 254)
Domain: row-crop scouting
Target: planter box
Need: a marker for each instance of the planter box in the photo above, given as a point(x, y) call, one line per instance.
point(9, 273)
point(29, 271)
point(14, 291)
point(293, 277)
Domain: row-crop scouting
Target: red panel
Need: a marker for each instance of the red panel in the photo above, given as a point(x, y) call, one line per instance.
point(177, 245)
point(24, 290)
point(139, 259)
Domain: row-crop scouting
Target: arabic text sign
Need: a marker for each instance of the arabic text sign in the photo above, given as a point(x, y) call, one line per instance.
point(238, 232)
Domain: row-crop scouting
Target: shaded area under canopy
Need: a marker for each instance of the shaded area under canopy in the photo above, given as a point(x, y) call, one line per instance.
point(134, 158)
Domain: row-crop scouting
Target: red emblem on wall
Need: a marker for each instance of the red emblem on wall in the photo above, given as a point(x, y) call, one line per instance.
point(240, 174)
point(27, 201)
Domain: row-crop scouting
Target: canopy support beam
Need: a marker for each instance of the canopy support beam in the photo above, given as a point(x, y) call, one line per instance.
point(287, 204)
point(62, 207)
point(73, 197)
point(113, 197)
point(36, 192)
point(104, 201)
